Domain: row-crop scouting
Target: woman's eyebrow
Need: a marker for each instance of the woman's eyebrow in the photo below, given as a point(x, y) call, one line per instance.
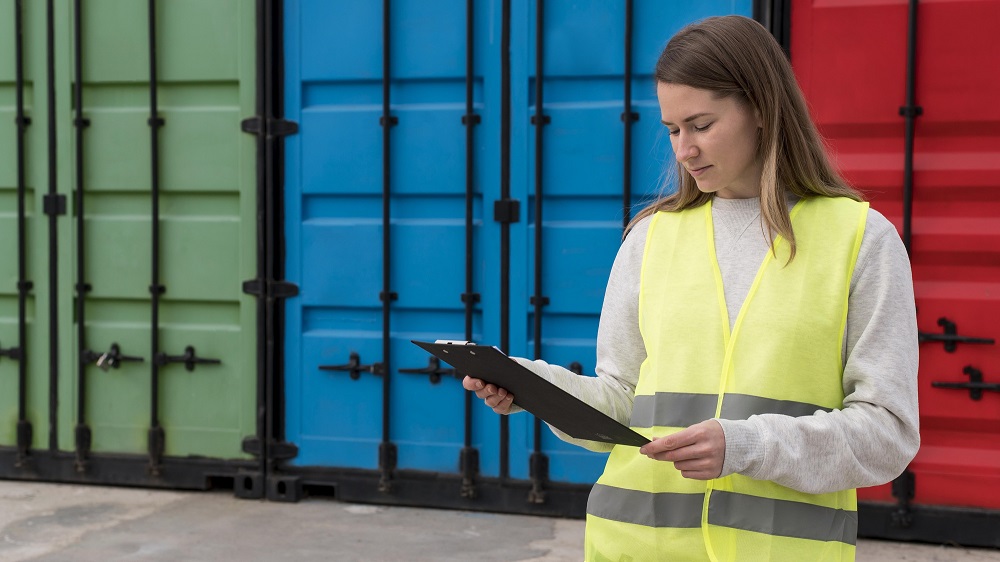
point(687, 119)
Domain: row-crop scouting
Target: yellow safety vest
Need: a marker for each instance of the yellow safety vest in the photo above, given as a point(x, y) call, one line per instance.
point(784, 356)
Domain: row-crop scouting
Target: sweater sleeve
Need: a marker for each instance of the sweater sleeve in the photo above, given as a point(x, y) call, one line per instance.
point(620, 349)
point(873, 438)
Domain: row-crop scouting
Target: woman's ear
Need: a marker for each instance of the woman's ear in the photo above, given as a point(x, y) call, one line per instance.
point(756, 116)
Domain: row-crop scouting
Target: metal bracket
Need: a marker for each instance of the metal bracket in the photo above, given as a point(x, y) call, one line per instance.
point(433, 369)
point(278, 450)
point(632, 116)
point(190, 359)
point(157, 444)
point(468, 460)
point(545, 119)
point(539, 472)
point(950, 337)
point(904, 488)
point(386, 464)
point(911, 111)
point(12, 352)
point(270, 289)
point(471, 117)
point(271, 127)
point(506, 211)
point(975, 386)
point(354, 367)
point(24, 436)
point(83, 442)
point(576, 367)
point(54, 204)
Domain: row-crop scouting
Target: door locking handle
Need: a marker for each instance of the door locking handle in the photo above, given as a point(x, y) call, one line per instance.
point(433, 369)
point(110, 359)
point(976, 386)
point(951, 337)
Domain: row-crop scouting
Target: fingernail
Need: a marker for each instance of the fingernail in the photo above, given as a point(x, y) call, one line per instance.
point(479, 385)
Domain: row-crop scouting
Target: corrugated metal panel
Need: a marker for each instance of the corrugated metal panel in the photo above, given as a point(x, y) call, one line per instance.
point(851, 60)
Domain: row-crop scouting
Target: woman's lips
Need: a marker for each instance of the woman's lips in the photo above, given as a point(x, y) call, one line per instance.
point(698, 171)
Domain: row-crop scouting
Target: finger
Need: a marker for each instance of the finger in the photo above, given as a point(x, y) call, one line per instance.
point(495, 400)
point(669, 443)
point(700, 474)
point(697, 465)
point(676, 455)
point(505, 405)
point(469, 383)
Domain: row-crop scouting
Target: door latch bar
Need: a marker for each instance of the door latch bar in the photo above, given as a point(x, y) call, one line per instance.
point(433, 369)
point(12, 352)
point(190, 359)
point(975, 386)
point(111, 359)
point(950, 337)
point(354, 367)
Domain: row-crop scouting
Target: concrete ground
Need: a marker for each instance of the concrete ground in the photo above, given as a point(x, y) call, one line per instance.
point(59, 522)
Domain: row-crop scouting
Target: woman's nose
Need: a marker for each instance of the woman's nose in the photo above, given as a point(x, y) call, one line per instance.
point(684, 149)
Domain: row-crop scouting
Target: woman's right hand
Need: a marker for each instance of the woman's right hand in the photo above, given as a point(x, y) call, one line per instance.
point(494, 397)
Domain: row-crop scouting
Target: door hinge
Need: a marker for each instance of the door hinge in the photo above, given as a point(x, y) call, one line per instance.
point(271, 127)
point(270, 289)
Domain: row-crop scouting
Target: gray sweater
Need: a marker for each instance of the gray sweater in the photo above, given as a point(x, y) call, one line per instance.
point(869, 442)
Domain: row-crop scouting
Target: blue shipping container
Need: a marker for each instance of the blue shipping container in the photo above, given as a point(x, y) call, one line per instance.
point(336, 174)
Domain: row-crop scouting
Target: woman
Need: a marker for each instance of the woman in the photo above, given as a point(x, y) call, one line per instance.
point(759, 326)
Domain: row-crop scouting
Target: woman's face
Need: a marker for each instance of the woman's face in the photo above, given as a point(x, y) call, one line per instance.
point(714, 139)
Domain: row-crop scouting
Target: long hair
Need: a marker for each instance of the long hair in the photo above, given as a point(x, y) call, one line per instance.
point(734, 56)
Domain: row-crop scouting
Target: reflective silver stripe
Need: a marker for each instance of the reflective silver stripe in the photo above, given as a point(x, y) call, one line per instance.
point(727, 509)
point(645, 508)
point(742, 406)
point(672, 409)
point(782, 517)
point(684, 409)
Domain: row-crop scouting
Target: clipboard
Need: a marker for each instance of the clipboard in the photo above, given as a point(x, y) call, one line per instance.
point(545, 400)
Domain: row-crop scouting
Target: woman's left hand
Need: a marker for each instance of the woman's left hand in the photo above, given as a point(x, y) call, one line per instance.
point(698, 451)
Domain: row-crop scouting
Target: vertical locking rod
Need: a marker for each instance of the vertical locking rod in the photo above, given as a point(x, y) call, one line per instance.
point(156, 436)
point(539, 462)
point(469, 457)
point(24, 431)
point(505, 225)
point(53, 194)
point(627, 118)
point(83, 435)
point(387, 450)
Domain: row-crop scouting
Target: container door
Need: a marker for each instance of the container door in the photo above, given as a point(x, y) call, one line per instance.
point(21, 332)
point(207, 229)
point(353, 380)
point(956, 254)
point(856, 99)
point(583, 181)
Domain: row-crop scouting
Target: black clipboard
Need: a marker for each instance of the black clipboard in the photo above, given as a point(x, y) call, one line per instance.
point(545, 400)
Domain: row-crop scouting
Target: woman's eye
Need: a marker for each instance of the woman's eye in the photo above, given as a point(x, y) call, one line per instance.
point(674, 132)
point(702, 128)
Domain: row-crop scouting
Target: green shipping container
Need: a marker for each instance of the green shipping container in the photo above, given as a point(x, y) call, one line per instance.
point(203, 167)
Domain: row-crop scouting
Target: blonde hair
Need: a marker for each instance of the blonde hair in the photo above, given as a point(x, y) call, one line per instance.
point(734, 56)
